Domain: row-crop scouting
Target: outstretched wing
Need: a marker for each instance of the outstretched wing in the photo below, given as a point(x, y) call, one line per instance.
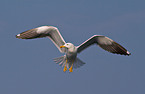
point(44, 31)
point(105, 43)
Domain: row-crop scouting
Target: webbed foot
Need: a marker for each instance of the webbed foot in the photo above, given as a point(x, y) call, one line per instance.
point(71, 69)
point(65, 69)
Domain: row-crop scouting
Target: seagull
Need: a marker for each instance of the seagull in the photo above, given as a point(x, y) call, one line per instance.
point(70, 60)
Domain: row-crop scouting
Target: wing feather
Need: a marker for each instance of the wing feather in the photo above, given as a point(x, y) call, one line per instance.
point(105, 43)
point(44, 31)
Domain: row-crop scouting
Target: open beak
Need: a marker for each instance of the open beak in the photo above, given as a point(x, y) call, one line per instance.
point(62, 46)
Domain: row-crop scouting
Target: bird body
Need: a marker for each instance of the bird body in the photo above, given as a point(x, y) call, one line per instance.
point(70, 60)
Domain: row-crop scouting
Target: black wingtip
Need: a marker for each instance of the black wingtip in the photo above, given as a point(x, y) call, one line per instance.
point(127, 53)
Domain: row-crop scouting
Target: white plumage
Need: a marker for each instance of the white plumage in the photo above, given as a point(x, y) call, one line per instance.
point(70, 60)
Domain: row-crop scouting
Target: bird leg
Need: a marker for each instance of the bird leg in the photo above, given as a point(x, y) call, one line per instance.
point(71, 68)
point(65, 68)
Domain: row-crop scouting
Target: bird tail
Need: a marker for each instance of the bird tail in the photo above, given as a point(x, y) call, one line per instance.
point(78, 63)
point(62, 61)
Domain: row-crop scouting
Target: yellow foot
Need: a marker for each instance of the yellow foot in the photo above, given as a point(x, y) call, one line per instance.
point(65, 69)
point(71, 69)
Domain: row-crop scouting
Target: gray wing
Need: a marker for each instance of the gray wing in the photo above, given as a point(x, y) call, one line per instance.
point(105, 43)
point(44, 31)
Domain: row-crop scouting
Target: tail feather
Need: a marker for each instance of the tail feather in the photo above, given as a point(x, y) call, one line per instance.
point(78, 63)
point(62, 61)
point(59, 59)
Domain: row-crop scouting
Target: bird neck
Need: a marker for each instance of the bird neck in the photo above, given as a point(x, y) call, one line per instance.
point(72, 49)
point(71, 53)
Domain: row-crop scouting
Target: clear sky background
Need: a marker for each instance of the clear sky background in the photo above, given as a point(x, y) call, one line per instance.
point(27, 66)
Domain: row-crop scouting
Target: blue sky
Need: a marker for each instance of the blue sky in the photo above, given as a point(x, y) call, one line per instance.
point(27, 67)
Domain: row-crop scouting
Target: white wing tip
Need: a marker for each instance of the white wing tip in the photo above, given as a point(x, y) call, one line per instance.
point(128, 53)
point(18, 35)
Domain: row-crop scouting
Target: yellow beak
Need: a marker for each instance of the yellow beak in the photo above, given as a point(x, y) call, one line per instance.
point(62, 46)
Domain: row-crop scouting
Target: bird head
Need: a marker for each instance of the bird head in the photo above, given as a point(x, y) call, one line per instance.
point(67, 45)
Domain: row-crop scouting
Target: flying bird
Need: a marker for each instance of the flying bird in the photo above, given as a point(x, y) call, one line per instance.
point(70, 60)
